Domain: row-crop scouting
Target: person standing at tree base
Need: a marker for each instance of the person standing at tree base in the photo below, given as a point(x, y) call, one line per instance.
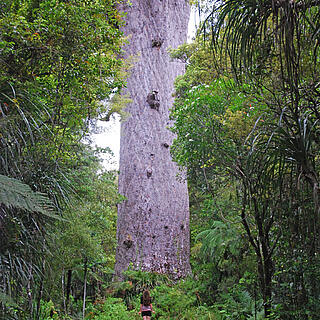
point(146, 306)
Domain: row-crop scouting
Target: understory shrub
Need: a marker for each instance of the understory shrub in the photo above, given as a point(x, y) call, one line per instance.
point(238, 304)
point(111, 309)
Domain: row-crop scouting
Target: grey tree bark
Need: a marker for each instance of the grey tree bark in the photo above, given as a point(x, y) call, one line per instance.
point(153, 223)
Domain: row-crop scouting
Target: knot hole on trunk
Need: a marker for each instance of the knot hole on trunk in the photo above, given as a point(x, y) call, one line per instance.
point(128, 241)
point(157, 42)
point(165, 145)
point(153, 100)
point(149, 173)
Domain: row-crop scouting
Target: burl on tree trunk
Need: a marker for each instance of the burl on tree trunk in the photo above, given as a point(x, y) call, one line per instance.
point(153, 223)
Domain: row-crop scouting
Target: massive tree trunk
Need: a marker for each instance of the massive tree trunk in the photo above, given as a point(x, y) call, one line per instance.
point(153, 223)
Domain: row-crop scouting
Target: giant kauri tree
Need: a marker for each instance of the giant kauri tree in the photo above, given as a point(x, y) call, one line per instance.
point(153, 223)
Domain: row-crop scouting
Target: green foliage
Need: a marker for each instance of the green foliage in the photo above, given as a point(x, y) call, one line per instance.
point(14, 193)
point(88, 238)
point(47, 311)
point(170, 300)
point(218, 239)
point(58, 61)
point(135, 282)
point(173, 301)
point(90, 230)
point(180, 300)
point(112, 308)
point(266, 156)
point(212, 118)
point(238, 304)
point(143, 280)
point(259, 34)
point(198, 61)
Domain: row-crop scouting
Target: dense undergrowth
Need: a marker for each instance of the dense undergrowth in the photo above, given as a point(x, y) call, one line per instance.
point(185, 299)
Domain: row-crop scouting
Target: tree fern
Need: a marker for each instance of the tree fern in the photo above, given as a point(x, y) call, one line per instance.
point(216, 240)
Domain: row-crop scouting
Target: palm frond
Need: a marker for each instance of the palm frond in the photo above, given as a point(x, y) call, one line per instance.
point(251, 29)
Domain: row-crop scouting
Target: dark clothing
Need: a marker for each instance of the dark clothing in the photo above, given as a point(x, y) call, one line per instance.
point(146, 313)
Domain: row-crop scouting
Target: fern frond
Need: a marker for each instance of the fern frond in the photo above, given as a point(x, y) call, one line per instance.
point(15, 194)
